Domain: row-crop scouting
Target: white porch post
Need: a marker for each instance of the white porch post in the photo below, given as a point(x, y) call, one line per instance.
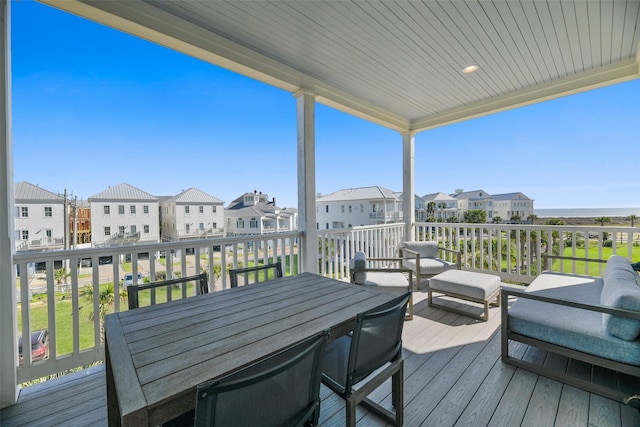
point(305, 105)
point(8, 326)
point(408, 185)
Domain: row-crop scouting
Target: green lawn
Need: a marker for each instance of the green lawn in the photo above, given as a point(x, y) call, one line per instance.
point(594, 269)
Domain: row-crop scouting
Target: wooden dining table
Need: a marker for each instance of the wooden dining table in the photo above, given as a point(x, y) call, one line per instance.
point(156, 356)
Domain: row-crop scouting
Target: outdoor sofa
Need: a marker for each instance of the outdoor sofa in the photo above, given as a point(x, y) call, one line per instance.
point(585, 318)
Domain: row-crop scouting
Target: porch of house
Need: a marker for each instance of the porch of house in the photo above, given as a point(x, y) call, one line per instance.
point(453, 376)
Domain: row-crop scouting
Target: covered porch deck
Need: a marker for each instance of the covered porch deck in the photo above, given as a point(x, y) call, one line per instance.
point(453, 376)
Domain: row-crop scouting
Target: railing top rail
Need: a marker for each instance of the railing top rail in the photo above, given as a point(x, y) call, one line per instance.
point(578, 228)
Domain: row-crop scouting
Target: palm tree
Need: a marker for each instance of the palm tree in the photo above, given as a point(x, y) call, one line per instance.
point(497, 220)
point(515, 219)
point(61, 275)
point(532, 218)
point(106, 300)
point(431, 208)
point(632, 218)
point(603, 219)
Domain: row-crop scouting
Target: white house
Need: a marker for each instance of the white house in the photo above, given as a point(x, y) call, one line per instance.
point(352, 207)
point(192, 214)
point(474, 200)
point(124, 214)
point(253, 213)
point(508, 205)
point(444, 206)
point(39, 218)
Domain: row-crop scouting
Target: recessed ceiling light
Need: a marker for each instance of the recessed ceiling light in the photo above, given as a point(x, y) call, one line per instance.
point(470, 69)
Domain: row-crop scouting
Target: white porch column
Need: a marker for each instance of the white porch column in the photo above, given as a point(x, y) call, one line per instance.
point(408, 185)
point(305, 105)
point(8, 326)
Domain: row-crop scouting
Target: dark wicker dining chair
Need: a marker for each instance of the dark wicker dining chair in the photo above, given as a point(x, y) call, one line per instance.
point(282, 390)
point(253, 274)
point(135, 289)
point(376, 342)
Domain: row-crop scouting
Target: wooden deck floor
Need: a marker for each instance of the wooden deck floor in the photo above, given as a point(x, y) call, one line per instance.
point(453, 377)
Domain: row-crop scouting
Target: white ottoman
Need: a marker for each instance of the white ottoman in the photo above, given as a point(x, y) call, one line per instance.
point(467, 285)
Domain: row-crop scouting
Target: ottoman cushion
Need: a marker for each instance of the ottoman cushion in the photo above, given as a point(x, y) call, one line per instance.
point(468, 283)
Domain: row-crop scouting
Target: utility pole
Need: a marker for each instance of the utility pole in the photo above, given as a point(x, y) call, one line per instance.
point(75, 222)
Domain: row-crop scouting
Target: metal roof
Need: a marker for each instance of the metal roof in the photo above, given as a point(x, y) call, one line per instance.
point(25, 191)
point(193, 195)
point(398, 62)
point(362, 193)
point(123, 192)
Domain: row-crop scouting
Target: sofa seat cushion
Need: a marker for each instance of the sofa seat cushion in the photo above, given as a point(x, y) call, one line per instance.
point(570, 327)
point(428, 266)
point(621, 290)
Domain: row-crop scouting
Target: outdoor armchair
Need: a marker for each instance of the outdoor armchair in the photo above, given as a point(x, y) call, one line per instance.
point(424, 259)
point(134, 289)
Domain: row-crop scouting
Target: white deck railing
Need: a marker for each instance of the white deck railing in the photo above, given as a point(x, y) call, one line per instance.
point(512, 251)
point(69, 310)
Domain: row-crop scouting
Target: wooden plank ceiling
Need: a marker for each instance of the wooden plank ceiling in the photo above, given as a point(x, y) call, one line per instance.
point(399, 63)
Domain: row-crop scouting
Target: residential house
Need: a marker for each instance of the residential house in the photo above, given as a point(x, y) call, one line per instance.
point(444, 206)
point(192, 214)
point(79, 223)
point(351, 207)
point(39, 218)
point(420, 206)
point(474, 200)
point(124, 214)
point(253, 213)
point(508, 205)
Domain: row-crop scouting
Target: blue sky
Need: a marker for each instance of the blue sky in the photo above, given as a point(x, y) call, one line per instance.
point(93, 107)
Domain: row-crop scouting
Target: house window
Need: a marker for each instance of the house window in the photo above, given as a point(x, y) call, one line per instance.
point(132, 209)
point(121, 229)
point(361, 208)
point(133, 229)
point(349, 208)
point(145, 209)
point(326, 208)
point(107, 231)
point(186, 228)
point(146, 229)
point(327, 226)
point(201, 226)
point(25, 234)
point(200, 210)
point(253, 223)
point(240, 223)
point(106, 209)
point(48, 212)
point(120, 209)
point(214, 225)
point(24, 212)
point(214, 209)
point(186, 210)
point(342, 208)
point(228, 222)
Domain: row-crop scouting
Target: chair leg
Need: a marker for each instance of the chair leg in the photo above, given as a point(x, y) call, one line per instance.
point(350, 408)
point(397, 394)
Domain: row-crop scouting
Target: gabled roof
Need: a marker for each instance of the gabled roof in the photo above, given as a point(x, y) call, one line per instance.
point(510, 196)
point(362, 193)
point(193, 195)
point(469, 195)
point(25, 191)
point(123, 192)
point(437, 196)
point(238, 203)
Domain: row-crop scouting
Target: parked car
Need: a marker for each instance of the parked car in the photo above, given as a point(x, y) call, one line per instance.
point(128, 279)
point(39, 345)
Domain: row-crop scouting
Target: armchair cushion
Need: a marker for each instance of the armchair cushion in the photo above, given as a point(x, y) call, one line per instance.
point(425, 249)
point(428, 266)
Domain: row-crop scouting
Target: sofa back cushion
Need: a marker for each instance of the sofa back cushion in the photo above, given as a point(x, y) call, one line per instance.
point(425, 249)
point(621, 289)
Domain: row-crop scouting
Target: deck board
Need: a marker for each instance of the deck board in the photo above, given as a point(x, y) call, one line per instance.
point(453, 377)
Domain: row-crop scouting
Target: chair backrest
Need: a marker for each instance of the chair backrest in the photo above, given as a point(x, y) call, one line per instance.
point(377, 339)
point(282, 390)
point(134, 289)
point(427, 249)
point(252, 274)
